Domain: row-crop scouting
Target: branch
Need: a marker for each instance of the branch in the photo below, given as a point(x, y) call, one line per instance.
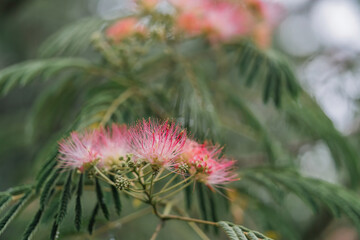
point(187, 219)
point(157, 230)
point(115, 104)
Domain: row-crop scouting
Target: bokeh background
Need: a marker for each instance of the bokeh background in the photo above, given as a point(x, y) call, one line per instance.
point(320, 37)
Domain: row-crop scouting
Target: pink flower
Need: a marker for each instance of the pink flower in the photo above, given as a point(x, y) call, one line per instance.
point(158, 143)
point(79, 150)
point(192, 16)
point(124, 28)
point(221, 21)
point(204, 161)
point(189, 5)
point(266, 16)
point(226, 21)
point(191, 23)
point(112, 144)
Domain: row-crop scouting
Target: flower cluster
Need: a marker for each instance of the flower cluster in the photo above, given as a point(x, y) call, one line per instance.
point(218, 20)
point(204, 161)
point(124, 28)
point(158, 144)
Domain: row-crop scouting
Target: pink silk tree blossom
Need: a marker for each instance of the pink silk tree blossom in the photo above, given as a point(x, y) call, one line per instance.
point(79, 150)
point(124, 28)
point(205, 163)
point(112, 144)
point(158, 143)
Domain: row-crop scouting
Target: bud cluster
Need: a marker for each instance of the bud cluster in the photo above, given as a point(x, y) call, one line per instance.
point(122, 183)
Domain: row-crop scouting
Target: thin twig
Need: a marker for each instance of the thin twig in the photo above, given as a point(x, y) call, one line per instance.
point(113, 224)
point(193, 225)
point(157, 230)
point(115, 104)
point(188, 219)
point(189, 179)
point(104, 176)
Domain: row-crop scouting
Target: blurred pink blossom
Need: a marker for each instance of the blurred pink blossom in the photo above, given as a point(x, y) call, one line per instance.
point(124, 28)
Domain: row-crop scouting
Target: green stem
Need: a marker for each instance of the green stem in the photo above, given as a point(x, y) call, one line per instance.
point(165, 176)
point(115, 104)
point(145, 182)
point(104, 176)
point(188, 219)
point(177, 190)
point(193, 225)
point(168, 183)
point(159, 174)
point(151, 184)
point(133, 195)
point(157, 230)
point(174, 186)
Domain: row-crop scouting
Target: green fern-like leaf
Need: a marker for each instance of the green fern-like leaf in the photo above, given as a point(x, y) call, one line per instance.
point(72, 39)
point(202, 203)
point(47, 165)
point(65, 198)
point(100, 198)
point(11, 213)
point(270, 215)
point(314, 192)
point(23, 73)
point(308, 116)
point(44, 175)
point(93, 218)
point(20, 189)
point(212, 207)
point(236, 232)
point(54, 231)
point(276, 72)
point(250, 119)
point(47, 188)
point(4, 200)
point(32, 226)
point(52, 207)
point(78, 208)
point(188, 197)
point(116, 197)
point(53, 111)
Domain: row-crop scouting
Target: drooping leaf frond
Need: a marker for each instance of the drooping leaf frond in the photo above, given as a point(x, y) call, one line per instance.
point(54, 231)
point(249, 119)
point(4, 200)
point(236, 232)
point(307, 115)
point(313, 192)
point(33, 225)
point(116, 198)
point(65, 198)
point(23, 73)
point(202, 203)
point(12, 212)
point(73, 39)
point(93, 218)
point(276, 73)
point(101, 200)
point(78, 207)
point(104, 106)
point(47, 188)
